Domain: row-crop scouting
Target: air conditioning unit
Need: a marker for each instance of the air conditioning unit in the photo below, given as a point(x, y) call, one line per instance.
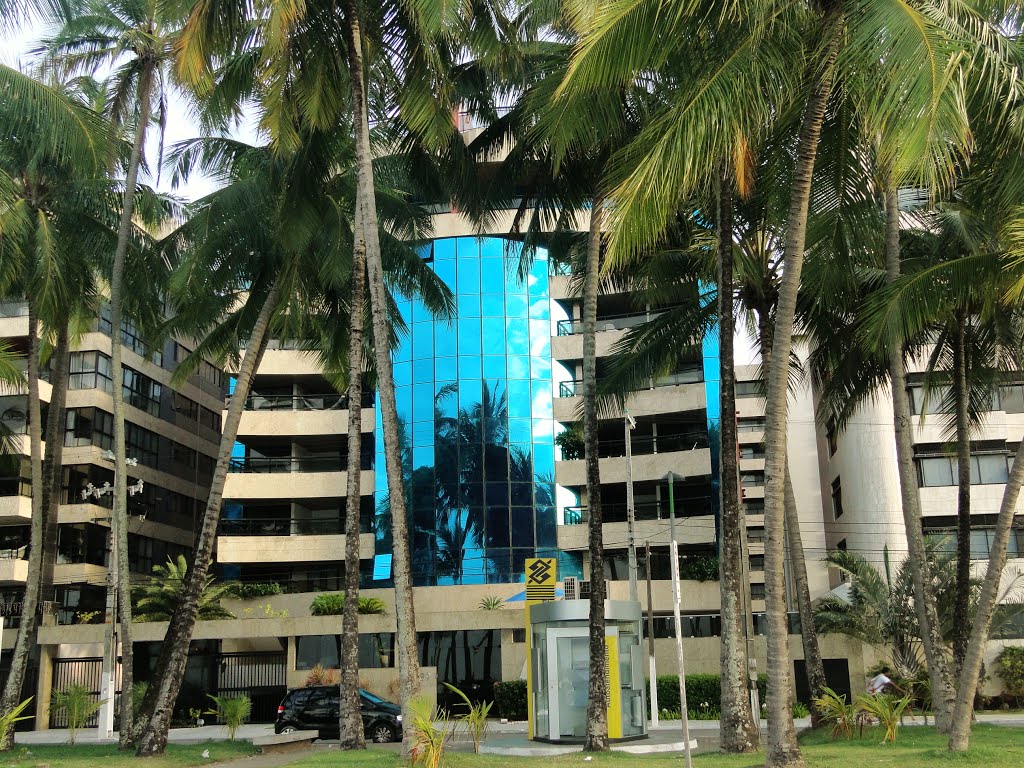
point(571, 588)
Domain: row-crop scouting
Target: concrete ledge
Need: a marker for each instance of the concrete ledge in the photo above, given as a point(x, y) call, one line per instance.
point(522, 747)
point(285, 742)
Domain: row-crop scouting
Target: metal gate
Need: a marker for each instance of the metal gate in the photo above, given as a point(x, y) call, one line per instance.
point(260, 676)
point(84, 671)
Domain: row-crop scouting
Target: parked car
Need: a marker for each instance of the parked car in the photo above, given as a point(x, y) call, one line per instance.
point(317, 707)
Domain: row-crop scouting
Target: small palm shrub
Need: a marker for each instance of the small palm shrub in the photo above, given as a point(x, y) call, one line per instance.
point(259, 589)
point(430, 733)
point(78, 705)
point(157, 596)
point(321, 675)
point(837, 713)
point(333, 604)
point(8, 720)
point(887, 708)
point(491, 603)
point(800, 709)
point(475, 718)
point(233, 710)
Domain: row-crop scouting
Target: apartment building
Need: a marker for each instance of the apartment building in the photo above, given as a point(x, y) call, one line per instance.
point(171, 430)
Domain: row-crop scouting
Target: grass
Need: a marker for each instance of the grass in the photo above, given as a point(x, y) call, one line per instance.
point(108, 756)
point(916, 747)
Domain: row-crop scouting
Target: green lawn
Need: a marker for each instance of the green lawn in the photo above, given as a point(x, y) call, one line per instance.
point(107, 756)
point(917, 747)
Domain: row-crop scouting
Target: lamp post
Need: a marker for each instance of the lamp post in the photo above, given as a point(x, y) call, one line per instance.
point(674, 554)
point(630, 424)
point(108, 688)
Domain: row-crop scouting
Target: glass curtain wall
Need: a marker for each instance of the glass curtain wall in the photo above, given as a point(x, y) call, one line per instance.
point(475, 405)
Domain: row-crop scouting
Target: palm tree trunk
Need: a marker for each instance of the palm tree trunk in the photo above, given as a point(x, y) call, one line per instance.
point(161, 696)
point(962, 597)
point(26, 638)
point(119, 517)
point(967, 683)
point(597, 707)
point(783, 749)
point(54, 440)
point(408, 661)
point(924, 596)
point(351, 723)
point(815, 668)
point(739, 730)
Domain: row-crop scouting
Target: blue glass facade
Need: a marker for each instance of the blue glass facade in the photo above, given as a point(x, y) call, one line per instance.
point(474, 401)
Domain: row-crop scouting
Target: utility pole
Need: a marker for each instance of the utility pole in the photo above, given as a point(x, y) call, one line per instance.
point(650, 641)
point(671, 476)
point(630, 424)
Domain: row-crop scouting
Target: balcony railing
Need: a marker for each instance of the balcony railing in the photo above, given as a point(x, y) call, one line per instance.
point(15, 553)
point(15, 486)
point(650, 444)
point(282, 526)
point(616, 512)
point(284, 465)
point(606, 323)
point(689, 376)
point(329, 402)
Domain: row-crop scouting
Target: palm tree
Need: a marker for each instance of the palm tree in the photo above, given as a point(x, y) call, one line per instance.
point(158, 596)
point(136, 39)
point(52, 151)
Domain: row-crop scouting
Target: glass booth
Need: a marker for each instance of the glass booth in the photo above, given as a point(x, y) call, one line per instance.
point(560, 670)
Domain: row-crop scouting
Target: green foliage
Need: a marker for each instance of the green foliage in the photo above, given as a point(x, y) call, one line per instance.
point(475, 718)
point(510, 699)
point(837, 713)
point(8, 720)
point(703, 568)
point(887, 708)
point(333, 604)
point(259, 589)
point(139, 691)
point(699, 689)
point(430, 733)
point(1010, 667)
point(233, 710)
point(157, 597)
point(571, 443)
point(77, 704)
point(800, 709)
point(491, 602)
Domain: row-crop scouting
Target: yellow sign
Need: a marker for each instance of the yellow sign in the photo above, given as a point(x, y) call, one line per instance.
point(541, 575)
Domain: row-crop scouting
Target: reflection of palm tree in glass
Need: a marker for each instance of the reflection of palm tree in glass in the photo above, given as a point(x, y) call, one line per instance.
point(472, 469)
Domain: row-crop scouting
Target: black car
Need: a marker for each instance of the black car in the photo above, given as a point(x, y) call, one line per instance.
point(317, 708)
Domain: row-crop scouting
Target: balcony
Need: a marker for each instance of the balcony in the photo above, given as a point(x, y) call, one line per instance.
point(300, 415)
point(13, 319)
point(606, 323)
point(653, 510)
point(307, 479)
point(14, 565)
point(15, 509)
point(689, 463)
point(280, 540)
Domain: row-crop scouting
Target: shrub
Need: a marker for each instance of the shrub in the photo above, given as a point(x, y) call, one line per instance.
point(510, 699)
point(887, 708)
point(77, 704)
point(139, 691)
point(260, 589)
point(321, 675)
point(800, 709)
point(491, 603)
point(699, 688)
point(430, 732)
point(233, 710)
point(704, 568)
point(837, 713)
point(333, 604)
point(1010, 666)
point(7, 721)
point(475, 718)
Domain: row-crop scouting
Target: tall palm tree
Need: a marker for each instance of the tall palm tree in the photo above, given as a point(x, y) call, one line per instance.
point(52, 152)
point(136, 39)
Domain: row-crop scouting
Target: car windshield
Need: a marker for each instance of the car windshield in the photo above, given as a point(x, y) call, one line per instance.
point(372, 699)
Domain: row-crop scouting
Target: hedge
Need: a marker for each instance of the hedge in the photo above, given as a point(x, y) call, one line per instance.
point(510, 695)
point(510, 699)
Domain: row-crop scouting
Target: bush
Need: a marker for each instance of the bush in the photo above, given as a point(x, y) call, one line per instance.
point(333, 604)
point(703, 568)
point(77, 703)
point(1010, 666)
point(430, 733)
point(233, 710)
point(699, 689)
point(510, 699)
point(260, 589)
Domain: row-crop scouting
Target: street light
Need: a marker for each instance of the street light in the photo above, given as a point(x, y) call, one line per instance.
point(671, 477)
point(630, 424)
point(105, 720)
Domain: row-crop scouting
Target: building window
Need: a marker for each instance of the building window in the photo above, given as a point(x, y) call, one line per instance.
point(89, 370)
point(833, 440)
point(837, 499)
point(753, 479)
point(757, 592)
point(757, 562)
point(986, 469)
point(752, 451)
point(755, 424)
point(141, 391)
point(749, 389)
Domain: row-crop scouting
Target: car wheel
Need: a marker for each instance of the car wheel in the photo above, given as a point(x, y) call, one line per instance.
point(289, 729)
point(382, 733)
